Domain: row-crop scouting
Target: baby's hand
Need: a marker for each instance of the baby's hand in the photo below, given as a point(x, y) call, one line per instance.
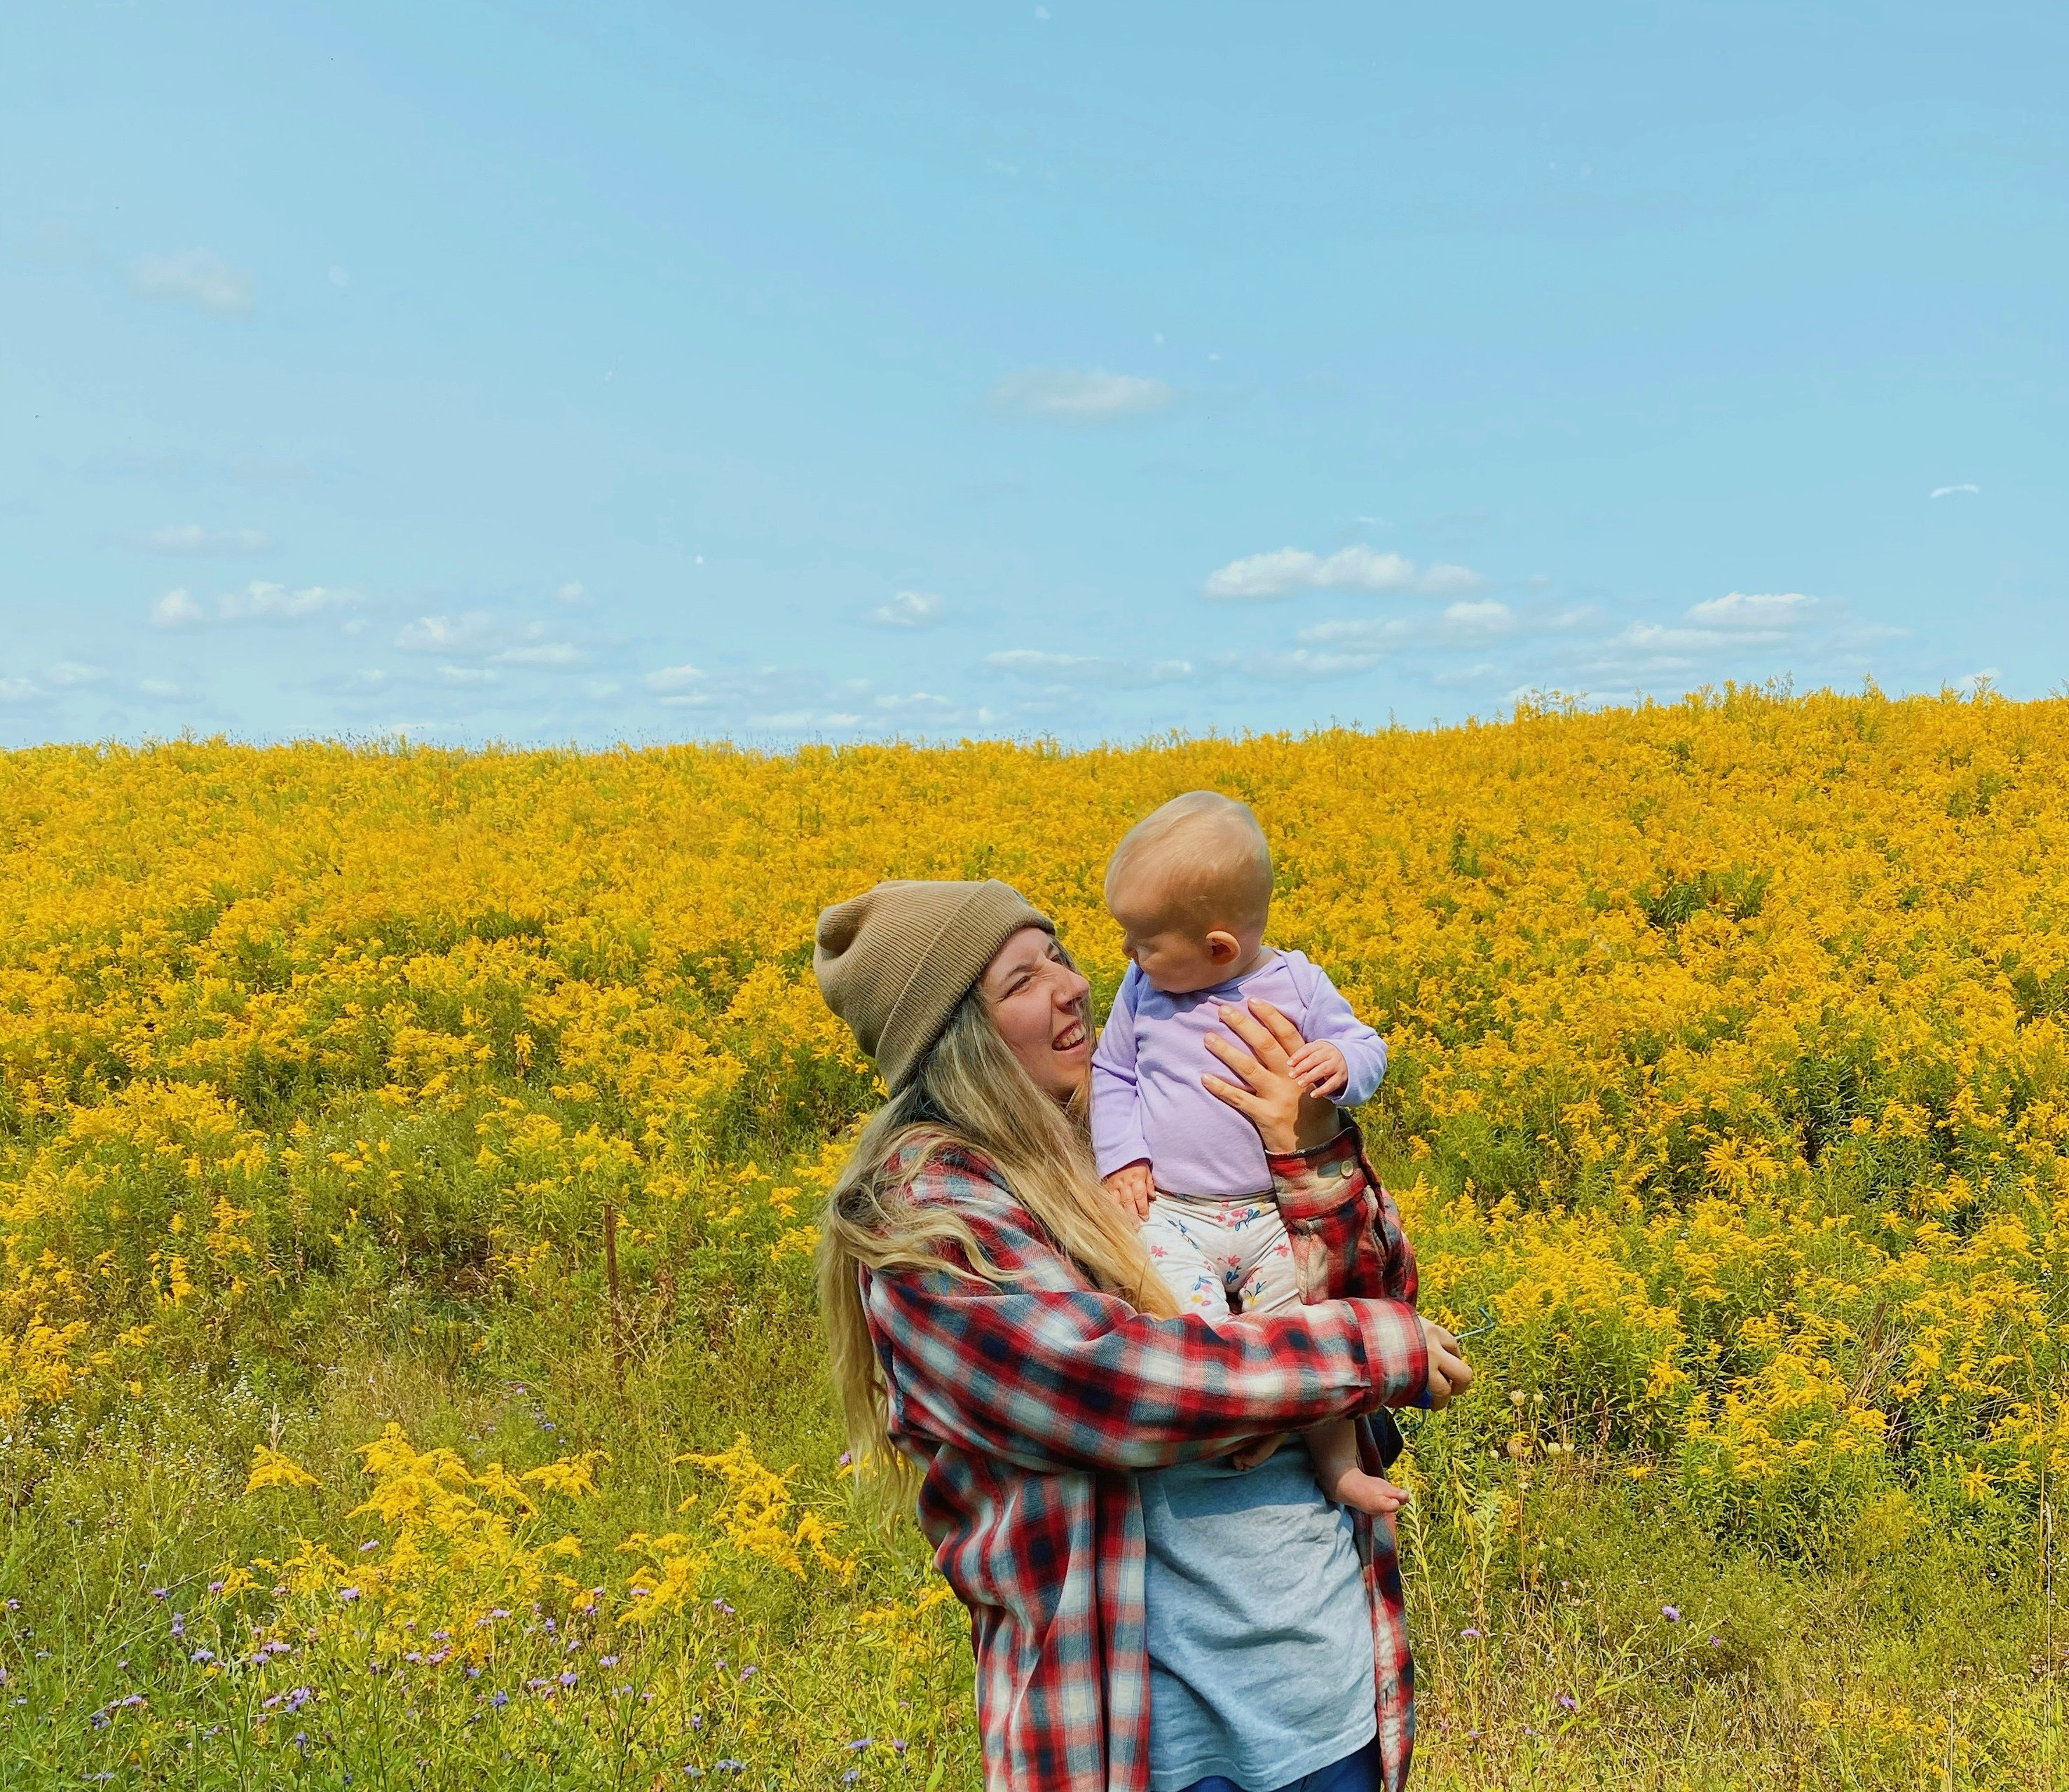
point(1131, 1186)
point(1319, 1067)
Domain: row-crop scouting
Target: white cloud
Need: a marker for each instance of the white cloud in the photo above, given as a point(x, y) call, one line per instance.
point(469, 675)
point(259, 602)
point(797, 721)
point(1482, 616)
point(1948, 490)
point(907, 609)
point(474, 633)
point(22, 691)
point(196, 277)
point(177, 610)
point(1069, 668)
point(1294, 665)
point(1285, 572)
point(192, 538)
point(72, 672)
point(161, 690)
point(1444, 581)
point(1765, 610)
point(1372, 634)
point(262, 601)
point(1067, 397)
point(541, 653)
point(573, 595)
point(674, 678)
point(917, 699)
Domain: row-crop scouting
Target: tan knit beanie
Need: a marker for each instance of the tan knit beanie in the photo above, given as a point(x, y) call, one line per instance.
point(893, 961)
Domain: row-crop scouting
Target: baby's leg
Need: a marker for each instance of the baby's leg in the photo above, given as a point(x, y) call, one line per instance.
point(1187, 1250)
point(1334, 1447)
point(1270, 1285)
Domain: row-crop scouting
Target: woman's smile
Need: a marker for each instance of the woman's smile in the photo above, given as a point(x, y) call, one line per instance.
point(1072, 1038)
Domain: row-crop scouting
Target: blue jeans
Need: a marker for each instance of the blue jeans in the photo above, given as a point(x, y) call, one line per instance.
point(1357, 1772)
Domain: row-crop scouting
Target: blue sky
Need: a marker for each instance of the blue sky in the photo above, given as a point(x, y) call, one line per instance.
point(785, 372)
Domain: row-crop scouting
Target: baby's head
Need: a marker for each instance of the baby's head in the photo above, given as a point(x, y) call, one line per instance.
point(1191, 887)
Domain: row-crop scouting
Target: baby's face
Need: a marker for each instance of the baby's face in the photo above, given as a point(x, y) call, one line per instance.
point(1177, 956)
point(1178, 960)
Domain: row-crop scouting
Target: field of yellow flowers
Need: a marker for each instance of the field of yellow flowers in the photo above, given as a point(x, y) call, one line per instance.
point(408, 1167)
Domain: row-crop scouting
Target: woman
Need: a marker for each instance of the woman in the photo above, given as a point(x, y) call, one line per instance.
point(999, 1337)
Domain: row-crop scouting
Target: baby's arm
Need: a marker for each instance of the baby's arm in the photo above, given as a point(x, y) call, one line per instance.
point(1119, 1145)
point(1344, 1059)
point(1334, 1447)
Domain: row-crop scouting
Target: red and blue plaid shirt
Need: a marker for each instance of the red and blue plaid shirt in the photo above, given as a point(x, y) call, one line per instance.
point(1030, 1402)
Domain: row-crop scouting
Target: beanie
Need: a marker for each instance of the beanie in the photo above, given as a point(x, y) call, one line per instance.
point(893, 961)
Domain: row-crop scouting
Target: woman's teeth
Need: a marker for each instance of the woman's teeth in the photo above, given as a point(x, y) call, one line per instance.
point(1070, 1039)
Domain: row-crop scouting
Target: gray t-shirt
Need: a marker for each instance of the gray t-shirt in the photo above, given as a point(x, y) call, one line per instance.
point(1260, 1637)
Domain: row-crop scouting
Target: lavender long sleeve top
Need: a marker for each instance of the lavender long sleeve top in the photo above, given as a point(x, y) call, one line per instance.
point(1147, 1100)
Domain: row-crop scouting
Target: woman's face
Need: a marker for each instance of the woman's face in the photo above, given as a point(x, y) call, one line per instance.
point(1042, 1009)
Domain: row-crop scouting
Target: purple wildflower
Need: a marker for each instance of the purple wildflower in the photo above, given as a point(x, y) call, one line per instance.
point(1671, 1613)
point(498, 1698)
point(606, 1661)
point(1568, 1702)
point(347, 1594)
point(569, 1677)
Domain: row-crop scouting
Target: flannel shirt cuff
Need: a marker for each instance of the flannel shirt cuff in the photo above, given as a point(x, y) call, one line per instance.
point(1310, 1186)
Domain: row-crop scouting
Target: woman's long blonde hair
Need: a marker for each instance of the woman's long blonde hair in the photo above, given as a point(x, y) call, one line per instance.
point(969, 1092)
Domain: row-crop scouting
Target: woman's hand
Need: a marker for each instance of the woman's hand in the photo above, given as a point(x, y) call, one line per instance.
point(1288, 1117)
point(1449, 1374)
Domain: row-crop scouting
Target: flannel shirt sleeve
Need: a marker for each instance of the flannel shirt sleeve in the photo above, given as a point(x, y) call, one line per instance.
point(1346, 1232)
point(1052, 1377)
point(1118, 1139)
point(1330, 1017)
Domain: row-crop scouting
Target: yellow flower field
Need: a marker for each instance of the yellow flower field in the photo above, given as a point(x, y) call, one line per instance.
point(408, 1163)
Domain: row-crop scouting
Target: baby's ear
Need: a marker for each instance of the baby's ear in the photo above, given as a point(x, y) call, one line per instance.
point(1223, 948)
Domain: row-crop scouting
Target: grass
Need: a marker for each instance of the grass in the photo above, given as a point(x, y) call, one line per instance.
point(1571, 1628)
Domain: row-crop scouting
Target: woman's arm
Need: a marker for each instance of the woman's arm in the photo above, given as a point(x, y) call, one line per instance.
point(1047, 1373)
point(1347, 1238)
point(1346, 1232)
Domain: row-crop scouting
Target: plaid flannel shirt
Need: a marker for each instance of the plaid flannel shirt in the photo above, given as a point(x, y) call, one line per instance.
point(1029, 1402)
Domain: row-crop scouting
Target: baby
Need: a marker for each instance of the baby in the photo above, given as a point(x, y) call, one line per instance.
point(1191, 888)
